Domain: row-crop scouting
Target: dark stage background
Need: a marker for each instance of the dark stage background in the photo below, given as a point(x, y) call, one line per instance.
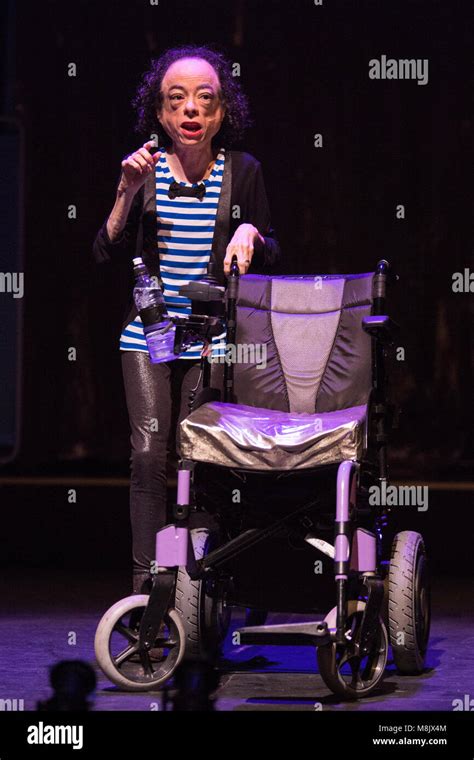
point(65, 547)
point(305, 70)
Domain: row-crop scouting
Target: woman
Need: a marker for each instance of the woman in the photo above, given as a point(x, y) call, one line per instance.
point(191, 101)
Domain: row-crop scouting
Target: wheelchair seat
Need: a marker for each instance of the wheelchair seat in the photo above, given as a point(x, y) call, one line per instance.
point(306, 404)
point(237, 435)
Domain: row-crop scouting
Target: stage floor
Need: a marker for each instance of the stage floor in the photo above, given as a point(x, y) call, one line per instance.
point(43, 609)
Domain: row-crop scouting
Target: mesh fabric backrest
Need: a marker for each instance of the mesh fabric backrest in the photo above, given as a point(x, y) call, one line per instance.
point(301, 347)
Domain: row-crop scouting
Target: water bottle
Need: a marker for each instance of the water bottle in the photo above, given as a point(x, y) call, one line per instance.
point(158, 328)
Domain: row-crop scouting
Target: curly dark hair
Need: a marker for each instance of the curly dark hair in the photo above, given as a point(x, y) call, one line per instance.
point(148, 97)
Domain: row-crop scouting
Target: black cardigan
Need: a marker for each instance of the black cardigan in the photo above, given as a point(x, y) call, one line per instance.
point(243, 199)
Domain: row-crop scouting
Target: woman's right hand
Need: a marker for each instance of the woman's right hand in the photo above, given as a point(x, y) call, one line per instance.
point(137, 166)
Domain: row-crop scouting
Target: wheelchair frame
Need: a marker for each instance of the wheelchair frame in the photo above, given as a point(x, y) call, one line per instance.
point(362, 552)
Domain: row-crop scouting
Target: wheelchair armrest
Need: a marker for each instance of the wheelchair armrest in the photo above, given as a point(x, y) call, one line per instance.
point(381, 327)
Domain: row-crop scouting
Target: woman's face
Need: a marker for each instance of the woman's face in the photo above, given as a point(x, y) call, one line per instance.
point(191, 96)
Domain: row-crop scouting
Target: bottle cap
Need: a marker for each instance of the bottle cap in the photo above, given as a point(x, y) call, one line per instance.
point(137, 260)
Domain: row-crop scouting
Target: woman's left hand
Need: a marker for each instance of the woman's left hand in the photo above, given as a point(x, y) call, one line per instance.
point(242, 245)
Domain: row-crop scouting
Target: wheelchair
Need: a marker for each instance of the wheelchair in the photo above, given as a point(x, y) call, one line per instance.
point(282, 458)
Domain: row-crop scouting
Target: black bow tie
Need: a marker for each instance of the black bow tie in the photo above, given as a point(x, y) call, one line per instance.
point(194, 192)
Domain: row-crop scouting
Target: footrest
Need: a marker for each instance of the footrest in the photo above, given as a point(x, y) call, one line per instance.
point(288, 634)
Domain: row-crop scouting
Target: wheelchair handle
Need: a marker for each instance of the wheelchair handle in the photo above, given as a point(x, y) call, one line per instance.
point(383, 275)
point(233, 279)
point(231, 293)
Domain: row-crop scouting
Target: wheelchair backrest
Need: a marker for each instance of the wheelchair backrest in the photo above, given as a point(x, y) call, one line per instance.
point(300, 346)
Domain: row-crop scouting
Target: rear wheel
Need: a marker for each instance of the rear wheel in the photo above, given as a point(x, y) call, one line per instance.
point(202, 606)
point(409, 603)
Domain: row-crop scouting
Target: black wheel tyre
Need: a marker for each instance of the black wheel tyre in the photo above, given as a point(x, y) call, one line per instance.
point(409, 604)
point(384, 608)
point(203, 612)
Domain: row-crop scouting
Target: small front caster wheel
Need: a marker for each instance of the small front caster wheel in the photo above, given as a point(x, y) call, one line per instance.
point(117, 652)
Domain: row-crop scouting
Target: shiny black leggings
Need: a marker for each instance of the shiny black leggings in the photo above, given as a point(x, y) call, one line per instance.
point(157, 401)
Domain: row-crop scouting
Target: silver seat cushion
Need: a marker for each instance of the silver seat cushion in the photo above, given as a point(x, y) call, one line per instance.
point(235, 435)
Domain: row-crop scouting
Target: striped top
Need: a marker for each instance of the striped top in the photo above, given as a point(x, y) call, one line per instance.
point(185, 228)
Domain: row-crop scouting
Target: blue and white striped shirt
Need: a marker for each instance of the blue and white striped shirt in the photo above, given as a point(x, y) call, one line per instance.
point(185, 231)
